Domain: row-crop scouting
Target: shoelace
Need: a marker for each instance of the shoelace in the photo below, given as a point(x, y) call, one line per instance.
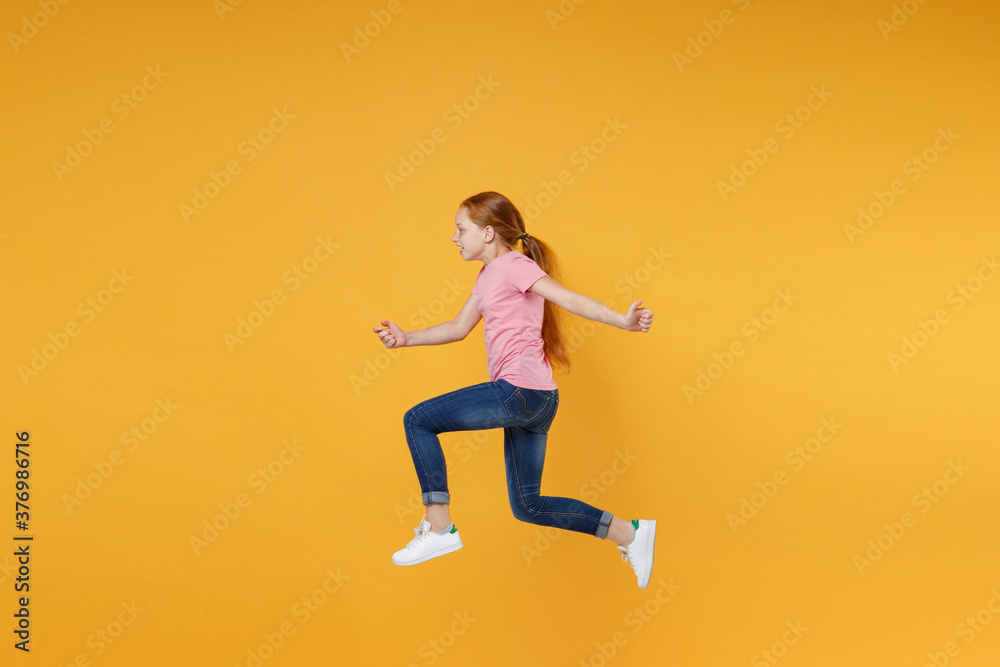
point(418, 533)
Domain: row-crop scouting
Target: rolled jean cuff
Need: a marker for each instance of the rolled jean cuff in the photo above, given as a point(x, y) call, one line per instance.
point(439, 497)
point(602, 529)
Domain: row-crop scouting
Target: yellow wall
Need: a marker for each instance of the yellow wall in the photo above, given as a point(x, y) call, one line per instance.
point(171, 166)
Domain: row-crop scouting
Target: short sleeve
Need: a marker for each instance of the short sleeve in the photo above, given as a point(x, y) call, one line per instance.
point(523, 272)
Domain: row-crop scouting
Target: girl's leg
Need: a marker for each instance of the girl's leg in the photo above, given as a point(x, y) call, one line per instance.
point(439, 514)
point(525, 415)
point(469, 409)
point(525, 438)
point(524, 457)
point(525, 454)
point(621, 532)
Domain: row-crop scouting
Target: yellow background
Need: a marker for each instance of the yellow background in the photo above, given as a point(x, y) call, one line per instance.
point(314, 373)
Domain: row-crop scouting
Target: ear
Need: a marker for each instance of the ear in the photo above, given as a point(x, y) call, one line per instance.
point(490, 233)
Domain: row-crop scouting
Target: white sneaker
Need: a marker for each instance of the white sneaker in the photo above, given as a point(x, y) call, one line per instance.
point(427, 545)
point(640, 553)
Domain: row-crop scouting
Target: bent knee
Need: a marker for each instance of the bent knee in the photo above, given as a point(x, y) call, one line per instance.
point(525, 509)
point(411, 417)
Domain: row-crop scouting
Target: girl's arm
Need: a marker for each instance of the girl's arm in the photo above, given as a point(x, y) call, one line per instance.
point(447, 332)
point(636, 319)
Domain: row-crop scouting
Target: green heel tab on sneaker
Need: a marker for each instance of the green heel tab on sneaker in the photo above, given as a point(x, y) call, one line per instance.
point(454, 529)
point(635, 524)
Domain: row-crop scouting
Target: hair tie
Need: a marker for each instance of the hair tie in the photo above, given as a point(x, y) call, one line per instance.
point(525, 236)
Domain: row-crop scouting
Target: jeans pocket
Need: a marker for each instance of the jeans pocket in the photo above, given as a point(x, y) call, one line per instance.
point(526, 405)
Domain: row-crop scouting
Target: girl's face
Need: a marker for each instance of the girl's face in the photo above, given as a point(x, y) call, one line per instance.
point(469, 237)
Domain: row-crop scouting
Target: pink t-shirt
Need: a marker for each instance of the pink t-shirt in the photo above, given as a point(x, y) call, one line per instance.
point(512, 321)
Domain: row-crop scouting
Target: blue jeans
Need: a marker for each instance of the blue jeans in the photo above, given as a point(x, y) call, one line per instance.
point(525, 416)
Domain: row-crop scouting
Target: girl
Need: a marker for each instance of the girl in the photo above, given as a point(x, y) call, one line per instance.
point(516, 295)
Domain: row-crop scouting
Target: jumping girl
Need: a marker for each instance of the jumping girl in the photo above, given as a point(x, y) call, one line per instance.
point(516, 295)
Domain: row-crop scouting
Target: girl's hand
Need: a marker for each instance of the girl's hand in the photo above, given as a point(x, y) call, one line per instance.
point(638, 319)
point(392, 336)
